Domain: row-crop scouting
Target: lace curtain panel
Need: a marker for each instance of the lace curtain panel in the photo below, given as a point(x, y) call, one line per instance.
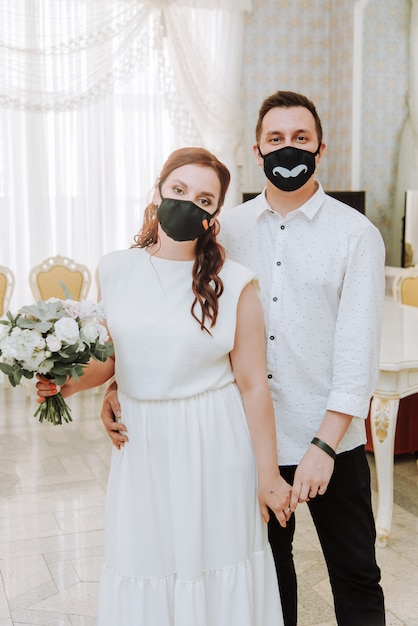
point(47, 68)
point(94, 95)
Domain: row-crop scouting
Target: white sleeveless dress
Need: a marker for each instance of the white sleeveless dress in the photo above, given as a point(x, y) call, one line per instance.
point(185, 544)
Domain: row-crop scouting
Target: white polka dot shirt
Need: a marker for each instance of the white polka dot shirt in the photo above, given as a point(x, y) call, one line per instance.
point(322, 284)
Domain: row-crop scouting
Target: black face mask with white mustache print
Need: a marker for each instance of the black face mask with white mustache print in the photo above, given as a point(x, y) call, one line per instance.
point(289, 168)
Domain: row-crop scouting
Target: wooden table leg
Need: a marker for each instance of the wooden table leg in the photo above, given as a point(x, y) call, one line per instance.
point(383, 416)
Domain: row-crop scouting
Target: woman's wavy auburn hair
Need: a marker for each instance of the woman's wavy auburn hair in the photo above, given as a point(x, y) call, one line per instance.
point(210, 255)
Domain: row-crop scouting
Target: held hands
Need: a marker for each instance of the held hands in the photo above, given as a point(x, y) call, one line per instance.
point(276, 497)
point(311, 480)
point(312, 476)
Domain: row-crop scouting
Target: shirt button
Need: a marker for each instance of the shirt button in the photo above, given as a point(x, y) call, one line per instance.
point(278, 262)
point(272, 337)
point(274, 299)
point(269, 376)
point(282, 227)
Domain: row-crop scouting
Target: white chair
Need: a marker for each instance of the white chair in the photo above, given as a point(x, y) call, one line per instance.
point(405, 287)
point(60, 277)
point(7, 283)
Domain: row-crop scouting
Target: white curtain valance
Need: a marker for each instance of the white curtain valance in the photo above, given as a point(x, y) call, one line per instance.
point(45, 67)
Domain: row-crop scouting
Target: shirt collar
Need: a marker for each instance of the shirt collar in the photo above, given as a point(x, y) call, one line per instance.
point(310, 208)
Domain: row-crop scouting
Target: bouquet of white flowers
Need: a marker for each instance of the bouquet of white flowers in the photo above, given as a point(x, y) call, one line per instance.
point(56, 339)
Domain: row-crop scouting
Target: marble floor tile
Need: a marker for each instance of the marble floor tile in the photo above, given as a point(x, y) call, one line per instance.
point(52, 492)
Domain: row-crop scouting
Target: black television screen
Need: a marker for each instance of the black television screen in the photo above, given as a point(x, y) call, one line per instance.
point(249, 195)
point(356, 199)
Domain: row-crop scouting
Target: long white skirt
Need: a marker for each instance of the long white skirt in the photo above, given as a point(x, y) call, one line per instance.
point(185, 544)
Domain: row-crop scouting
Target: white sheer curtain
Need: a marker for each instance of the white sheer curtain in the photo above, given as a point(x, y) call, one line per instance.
point(408, 153)
point(94, 95)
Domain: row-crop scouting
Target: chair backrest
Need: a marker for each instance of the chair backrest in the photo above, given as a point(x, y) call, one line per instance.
point(59, 277)
point(7, 283)
point(405, 287)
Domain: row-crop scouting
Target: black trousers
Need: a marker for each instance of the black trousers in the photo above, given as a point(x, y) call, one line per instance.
point(344, 521)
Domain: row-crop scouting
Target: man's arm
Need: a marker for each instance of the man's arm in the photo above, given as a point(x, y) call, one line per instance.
point(355, 361)
point(316, 467)
point(111, 415)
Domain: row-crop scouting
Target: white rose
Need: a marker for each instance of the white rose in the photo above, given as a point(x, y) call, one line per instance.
point(4, 329)
point(33, 362)
point(100, 312)
point(88, 309)
point(53, 343)
point(89, 331)
point(103, 334)
point(45, 367)
point(72, 308)
point(66, 330)
point(23, 343)
point(7, 351)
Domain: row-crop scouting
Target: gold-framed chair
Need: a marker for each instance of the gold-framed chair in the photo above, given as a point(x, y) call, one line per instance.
point(60, 277)
point(405, 287)
point(7, 284)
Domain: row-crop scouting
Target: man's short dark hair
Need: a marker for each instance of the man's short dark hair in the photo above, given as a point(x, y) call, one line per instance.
point(287, 99)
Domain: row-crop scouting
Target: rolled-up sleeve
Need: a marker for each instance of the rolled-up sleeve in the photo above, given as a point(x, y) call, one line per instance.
point(359, 325)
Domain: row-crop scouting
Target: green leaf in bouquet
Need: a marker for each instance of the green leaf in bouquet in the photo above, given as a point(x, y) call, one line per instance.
point(77, 371)
point(10, 317)
point(41, 327)
point(101, 352)
point(6, 369)
point(15, 373)
point(44, 310)
point(66, 354)
point(60, 379)
point(14, 379)
point(69, 353)
point(83, 357)
point(25, 322)
point(59, 369)
point(74, 357)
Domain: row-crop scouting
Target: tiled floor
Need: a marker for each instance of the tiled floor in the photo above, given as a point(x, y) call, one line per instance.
point(52, 485)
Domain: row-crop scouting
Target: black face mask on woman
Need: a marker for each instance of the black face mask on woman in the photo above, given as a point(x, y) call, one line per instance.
point(182, 220)
point(289, 168)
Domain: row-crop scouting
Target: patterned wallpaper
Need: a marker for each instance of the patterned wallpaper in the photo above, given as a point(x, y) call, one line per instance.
point(385, 86)
point(307, 46)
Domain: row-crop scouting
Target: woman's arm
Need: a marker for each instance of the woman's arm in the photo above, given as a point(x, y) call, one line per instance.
point(95, 374)
point(249, 365)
